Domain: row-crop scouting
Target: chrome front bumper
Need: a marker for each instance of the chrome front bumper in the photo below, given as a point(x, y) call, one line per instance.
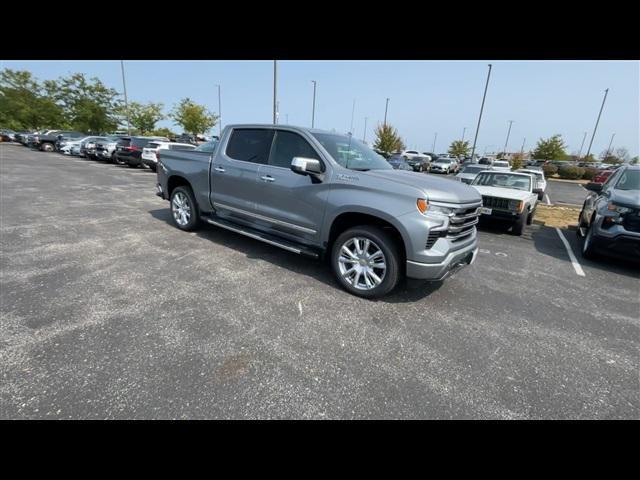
point(439, 271)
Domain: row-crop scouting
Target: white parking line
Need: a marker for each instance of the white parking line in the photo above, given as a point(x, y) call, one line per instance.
point(572, 257)
point(548, 199)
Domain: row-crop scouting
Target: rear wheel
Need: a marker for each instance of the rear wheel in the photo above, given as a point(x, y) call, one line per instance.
point(184, 211)
point(46, 147)
point(366, 261)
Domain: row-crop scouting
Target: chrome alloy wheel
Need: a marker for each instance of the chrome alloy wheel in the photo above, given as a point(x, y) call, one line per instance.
point(362, 263)
point(181, 209)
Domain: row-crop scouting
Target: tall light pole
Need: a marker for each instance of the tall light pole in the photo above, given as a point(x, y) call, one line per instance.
point(126, 103)
point(584, 137)
point(522, 148)
point(353, 110)
point(364, 133)
point(609, 147)
point(313, 110)
point(597, 121)
point(385, 112)
point(463, 130)
point(433, 148)
point(219, 113)
point(507, 140)
point(275, 92)
point(473, 150)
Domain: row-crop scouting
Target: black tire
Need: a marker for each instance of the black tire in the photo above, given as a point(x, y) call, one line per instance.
point(540, 195)
point(114, 159)
point(194, 219)
point(530, 216)
point(581, 223)
point(518, 227)
point(153, 168)
point(388, 247)
point(47, 147)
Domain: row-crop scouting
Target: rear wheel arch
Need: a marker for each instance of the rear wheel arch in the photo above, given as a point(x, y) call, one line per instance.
point(177, 181)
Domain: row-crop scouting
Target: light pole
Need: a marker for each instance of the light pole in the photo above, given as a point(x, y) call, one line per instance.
point(609, 147)
point(507, 140)
point(522, 149)
point(126, 103)
point(219, 113)
point(364, 133)
point(385, 112)
point(433, 148)
point(584, 137)
point(473, 150)
point(463, 130)
point(313, 110)
point(275, 92)
point(353, 110)
point(597, 121)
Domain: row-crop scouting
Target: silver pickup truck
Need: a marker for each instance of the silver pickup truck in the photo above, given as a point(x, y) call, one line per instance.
point(325, 195)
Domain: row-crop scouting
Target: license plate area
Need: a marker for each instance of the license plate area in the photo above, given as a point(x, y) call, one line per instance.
point(485, 211)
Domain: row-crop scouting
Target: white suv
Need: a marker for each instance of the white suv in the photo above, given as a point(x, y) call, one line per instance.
point(149, 152)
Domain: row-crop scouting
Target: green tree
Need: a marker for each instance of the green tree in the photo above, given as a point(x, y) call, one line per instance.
point(609, 157)
point(143, 117)
point(458, 148)
point(387, 140)
point(89, 106)
point(164, 132)
point(517, 161)
point(588, 158)
point(550, 149)
point(635, 160)
point(193, 118)
point(25, 103)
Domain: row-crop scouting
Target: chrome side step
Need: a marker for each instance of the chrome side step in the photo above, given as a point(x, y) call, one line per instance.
point(263, 237)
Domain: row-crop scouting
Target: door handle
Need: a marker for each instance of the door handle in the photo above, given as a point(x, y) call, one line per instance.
point(268, 178)
point(218, 169)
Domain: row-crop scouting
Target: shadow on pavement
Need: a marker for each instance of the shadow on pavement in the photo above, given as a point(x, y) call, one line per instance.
point(406, 291)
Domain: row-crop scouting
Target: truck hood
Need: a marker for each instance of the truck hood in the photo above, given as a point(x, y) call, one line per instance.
point(499, 192)
point(435, 188)
point(626, 198)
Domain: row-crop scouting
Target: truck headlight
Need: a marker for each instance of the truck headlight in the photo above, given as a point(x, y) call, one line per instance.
point(516, 205)
point(612, 207)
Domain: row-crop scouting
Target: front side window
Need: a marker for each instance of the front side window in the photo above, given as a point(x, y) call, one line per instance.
point(288, 145)
point(351, 153)
point(250, 145)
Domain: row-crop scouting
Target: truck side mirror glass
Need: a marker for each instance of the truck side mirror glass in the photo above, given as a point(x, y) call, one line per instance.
point(306, 166)
point(594, 187)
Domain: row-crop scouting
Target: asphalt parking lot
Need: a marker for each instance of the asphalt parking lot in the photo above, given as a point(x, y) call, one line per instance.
point(108, 311)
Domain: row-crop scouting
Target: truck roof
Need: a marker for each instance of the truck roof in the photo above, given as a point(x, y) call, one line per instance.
point(271, 125)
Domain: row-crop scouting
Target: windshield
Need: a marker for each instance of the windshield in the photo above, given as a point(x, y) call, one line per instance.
point(503, 180)
point(473, 169)
point(629, 180)
point(351, 153)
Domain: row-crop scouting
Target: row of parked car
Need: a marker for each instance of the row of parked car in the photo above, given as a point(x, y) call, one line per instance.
point(118, 148)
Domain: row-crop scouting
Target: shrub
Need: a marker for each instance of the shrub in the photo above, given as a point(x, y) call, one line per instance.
point(549, 170)
point(589, 173)
point(570, 172)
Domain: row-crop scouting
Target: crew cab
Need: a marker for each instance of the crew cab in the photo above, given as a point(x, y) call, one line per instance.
point(610, 217)
point(325, 195)
point(507, 196)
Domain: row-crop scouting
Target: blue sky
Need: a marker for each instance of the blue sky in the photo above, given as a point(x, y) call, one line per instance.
point(542, 97)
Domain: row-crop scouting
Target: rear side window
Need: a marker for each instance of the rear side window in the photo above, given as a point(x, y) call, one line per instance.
point(250, 145)
point(125, 142)
point(288, 145)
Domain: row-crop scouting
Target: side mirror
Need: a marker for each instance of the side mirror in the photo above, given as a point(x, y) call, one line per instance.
point(594, 187)
point(306, 166)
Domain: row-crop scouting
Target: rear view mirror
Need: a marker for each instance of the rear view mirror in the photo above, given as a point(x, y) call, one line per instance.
point(306, 166)
point(594, 187)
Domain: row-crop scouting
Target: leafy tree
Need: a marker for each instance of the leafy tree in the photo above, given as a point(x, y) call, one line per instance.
point(25, 104)
point(550, 149)
point(609, 157)
point(164, 132)
point(89, 106)
point(387, 140)
point(635, 160)
point(143, 117)
point(458, 148)
point(517, 161)
point(193, 118)
point(588, 158)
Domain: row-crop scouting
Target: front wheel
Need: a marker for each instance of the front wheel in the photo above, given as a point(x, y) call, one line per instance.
point(46, 147)
point(184, 211)
point(366, 261)
point(587, 246)
point(518, 227)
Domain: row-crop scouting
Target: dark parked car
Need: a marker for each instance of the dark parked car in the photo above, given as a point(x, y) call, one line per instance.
point(610, 217)
point(398, 162)
point(48, 142)
point(419, 163)
point(88, 147)
point(7, 135)
point(129, 150)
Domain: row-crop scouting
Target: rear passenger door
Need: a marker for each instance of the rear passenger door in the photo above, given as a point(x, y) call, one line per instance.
point(235, 188)
point(291, 204)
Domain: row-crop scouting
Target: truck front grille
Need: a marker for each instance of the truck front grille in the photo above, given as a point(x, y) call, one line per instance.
point(495, 202)
point(632, 222)
point(461, 226)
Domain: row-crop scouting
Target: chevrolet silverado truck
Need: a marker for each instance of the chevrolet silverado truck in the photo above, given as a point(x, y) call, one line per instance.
point(326, 196)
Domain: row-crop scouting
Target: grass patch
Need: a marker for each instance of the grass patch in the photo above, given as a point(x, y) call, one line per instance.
point(556, 216)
